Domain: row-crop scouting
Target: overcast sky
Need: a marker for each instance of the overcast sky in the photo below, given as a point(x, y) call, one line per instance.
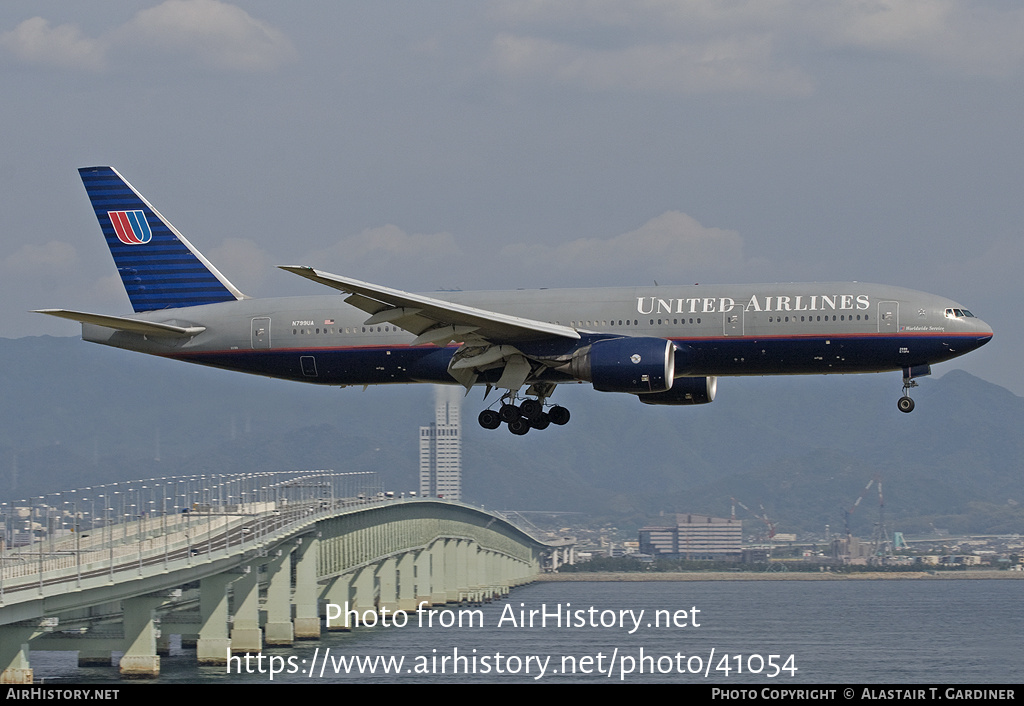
point(515, 144)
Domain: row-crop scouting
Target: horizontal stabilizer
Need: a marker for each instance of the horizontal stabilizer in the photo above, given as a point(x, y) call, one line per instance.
point(122, 323)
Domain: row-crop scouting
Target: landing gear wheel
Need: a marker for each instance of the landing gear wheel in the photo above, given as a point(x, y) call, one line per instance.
point(558, 415)
point(905, 404)
point(509, 412)
point(519, 426)
point(489, 419)
point(531, 409)
point(541, 422)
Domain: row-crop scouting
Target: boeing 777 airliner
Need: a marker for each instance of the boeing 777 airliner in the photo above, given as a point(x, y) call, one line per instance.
point(667, 344)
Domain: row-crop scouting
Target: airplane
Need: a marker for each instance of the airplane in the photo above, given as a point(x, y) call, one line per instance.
point(667, 345)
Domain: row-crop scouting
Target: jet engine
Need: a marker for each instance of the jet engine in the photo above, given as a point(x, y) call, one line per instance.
point(685, 391)
point(633, 364)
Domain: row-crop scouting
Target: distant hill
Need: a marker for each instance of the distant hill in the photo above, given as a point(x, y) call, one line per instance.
point(76, 414)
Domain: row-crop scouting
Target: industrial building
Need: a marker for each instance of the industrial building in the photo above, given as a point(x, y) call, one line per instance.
point(695, 538)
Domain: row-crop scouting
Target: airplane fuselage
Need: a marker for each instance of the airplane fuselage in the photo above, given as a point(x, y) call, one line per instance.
point(720, 330)
point(665, 344)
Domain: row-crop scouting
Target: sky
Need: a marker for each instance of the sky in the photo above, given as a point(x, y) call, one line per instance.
point(524, 143)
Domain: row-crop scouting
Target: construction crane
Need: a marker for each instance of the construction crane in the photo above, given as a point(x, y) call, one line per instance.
point(881, 546)
point(769, 533)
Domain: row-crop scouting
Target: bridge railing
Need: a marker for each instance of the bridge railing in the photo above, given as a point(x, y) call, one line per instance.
point(119, 526)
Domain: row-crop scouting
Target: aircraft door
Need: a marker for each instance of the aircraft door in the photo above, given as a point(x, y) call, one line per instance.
point(732, 324)
point(261, 333)
point(888, 317)
point(308, 365)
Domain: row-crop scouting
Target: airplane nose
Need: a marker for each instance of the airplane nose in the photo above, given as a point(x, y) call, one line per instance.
point(984, 332)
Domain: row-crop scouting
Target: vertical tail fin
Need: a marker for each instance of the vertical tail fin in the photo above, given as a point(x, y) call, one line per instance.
point(160, 269)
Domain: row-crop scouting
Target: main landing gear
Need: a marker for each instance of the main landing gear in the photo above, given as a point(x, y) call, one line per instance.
point(529, 414)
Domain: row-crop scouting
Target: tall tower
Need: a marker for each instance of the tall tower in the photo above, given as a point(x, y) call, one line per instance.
point(441, 447)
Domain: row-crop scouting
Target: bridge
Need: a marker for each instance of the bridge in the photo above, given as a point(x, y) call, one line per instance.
point(235, 562)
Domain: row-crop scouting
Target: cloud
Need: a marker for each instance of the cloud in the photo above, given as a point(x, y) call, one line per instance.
point(666, 246)
point(712, 65)
point(207, 33)
point(34, 41)
point(766, 46)
point(243, 262)
point(213, 33)
point(974, 38)
point(670, 248)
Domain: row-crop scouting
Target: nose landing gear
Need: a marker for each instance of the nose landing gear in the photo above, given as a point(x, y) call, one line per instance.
point(905, 404)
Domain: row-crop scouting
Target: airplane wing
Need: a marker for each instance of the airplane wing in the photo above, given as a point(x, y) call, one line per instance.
point(488, 337)
point(122, 323)
point(434, 320)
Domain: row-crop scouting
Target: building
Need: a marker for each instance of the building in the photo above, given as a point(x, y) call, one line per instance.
point(441, 447)
point(696, 538)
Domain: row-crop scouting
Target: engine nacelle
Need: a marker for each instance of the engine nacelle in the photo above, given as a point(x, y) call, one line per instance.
point(685, 391)
point(632, 364)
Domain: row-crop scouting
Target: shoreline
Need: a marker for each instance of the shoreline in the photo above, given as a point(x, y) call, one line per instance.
point(776, 576)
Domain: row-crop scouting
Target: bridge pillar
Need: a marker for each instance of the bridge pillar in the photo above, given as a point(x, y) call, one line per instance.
point(163, 642)
point(338, 592)
point(14, 654)
point(246, 635)
point(424, 576)
point(93, 656)
point(278, 628)
point(489, 577)
point(475, 556)
point(140, 658)
point(512, 571)
point(387, 580)
point(407, 581)
point(363, 593)
point(214, 645)
point(451, 571)
point(439, 571)
point(460, 573)
point(307, 619)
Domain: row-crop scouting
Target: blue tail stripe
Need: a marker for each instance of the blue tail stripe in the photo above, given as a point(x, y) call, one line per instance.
point(165, 272)
point(140, 225)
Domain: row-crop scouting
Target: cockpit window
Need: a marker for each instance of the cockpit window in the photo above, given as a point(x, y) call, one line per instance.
point(959, 314)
